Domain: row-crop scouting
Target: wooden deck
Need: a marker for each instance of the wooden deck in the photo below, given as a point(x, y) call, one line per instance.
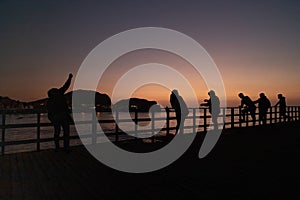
point(248, 163)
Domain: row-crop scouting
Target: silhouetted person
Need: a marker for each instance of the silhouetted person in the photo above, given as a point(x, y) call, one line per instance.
point(58, 113)
point(181, 109)
point(213, 104)
point(249, 107)
point(282, 106)
point(263, 105)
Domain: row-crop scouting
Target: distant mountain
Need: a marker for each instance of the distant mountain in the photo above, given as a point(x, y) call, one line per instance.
point(102, 102)
point(7, 103)
point(132, 104)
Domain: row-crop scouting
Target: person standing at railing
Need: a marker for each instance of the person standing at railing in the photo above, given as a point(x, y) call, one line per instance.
point(263, 105)
point(213, 104)
point(282, 106)
point(58, 113)
point(181, 109)
point(249, 107)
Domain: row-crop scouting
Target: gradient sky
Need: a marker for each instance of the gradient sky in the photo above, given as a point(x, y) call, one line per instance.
point(255, 44)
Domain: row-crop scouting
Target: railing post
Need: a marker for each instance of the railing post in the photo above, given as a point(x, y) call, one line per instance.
point(271, 115)
point(168, 121)
point(247, 119)
point(299, 113)
point(204, 119)
point(117, 127)
point(152, 125)
point(278, 118)
point(94, 127)
point(232, 117)
point(224, 119)
point(136, 120)
point(240, 114)
point(194, 120)
point(288, 114)
point(38, 131)
point(276, 115)
point(3, 132)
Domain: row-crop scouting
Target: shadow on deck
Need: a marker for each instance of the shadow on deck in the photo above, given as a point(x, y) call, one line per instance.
point(257, 162)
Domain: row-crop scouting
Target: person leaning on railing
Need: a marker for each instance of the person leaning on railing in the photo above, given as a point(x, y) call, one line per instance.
point(58, 113)
point(249, 107)
point(282, 106)
point(213, 104)
point(263, 105)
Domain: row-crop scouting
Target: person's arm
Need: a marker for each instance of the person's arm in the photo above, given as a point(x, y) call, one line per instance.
point(208, 102)
point(242, 104)
point(277, 103)
point(67, 84)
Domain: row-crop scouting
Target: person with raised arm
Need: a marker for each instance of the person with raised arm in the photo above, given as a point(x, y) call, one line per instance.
point(59, 113)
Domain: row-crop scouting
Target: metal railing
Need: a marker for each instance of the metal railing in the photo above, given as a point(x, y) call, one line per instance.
point(199, 121)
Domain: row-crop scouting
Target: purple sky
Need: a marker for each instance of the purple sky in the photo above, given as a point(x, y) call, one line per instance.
point(255, 44)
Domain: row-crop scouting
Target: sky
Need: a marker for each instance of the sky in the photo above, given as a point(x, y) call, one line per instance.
point(255, 44)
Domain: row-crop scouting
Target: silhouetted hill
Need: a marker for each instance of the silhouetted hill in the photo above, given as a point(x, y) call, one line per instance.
point(11, 104)
point(133, 104)
point(102, 101)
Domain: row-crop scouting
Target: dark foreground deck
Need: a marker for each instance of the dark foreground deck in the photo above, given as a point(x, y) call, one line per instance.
point(247, 163)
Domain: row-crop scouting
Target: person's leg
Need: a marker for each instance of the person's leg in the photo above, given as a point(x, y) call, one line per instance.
point(182, 124)
point(215, 121)
point(66, 129)
point(56, 135)
point(260, 117)
point(178, 118)
point(243, 114)
point(264, 117)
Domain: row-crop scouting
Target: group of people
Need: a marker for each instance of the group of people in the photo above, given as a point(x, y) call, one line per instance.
point(264, 104)
point(181, 109)
point(213, 104)
point(59, 113)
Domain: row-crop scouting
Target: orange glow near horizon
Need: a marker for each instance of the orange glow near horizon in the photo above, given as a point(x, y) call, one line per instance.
point(238, 76)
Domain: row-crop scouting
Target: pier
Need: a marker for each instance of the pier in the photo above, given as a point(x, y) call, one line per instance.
point(260, 161)
point(254, 162)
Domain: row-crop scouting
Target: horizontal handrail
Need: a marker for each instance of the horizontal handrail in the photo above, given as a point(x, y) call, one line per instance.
point(229, 118)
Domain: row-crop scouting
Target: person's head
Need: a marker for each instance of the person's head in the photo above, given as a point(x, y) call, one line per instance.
point(53, 92)
point(279, 96)
point(241, 95)
point(262, 95)
point(175, 92)
point(211, 93)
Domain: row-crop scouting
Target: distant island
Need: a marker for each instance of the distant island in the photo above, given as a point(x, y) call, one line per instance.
point(132, 104)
